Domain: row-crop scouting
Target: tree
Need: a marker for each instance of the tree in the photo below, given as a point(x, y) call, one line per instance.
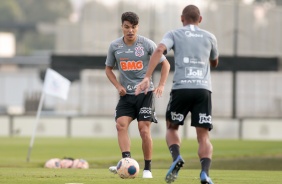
point(21, 17)
point(10, 11)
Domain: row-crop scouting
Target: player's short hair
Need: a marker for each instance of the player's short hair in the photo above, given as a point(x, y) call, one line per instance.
point(191, 13)
point(130, 17)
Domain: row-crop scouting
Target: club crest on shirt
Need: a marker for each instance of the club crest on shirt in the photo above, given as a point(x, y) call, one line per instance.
point(139, 51)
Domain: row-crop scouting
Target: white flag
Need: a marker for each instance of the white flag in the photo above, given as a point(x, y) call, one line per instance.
point(56, 85)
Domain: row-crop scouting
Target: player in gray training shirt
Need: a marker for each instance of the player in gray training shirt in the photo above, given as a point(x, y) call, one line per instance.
point(195, 50)
point(131, 54)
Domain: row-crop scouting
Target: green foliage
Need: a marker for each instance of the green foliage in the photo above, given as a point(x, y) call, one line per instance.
point(10, 11)
point(33, 11)
point(22, 16)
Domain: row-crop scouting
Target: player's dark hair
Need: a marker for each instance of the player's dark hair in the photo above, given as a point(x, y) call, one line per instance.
point(130, 17)
point(191, 13)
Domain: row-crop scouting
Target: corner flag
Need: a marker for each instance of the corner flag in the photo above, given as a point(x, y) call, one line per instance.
point(54, 85)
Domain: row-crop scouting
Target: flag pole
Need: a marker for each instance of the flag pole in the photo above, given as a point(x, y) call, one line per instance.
point(35, 125)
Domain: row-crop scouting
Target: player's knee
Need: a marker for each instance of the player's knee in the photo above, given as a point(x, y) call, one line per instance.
point(144, 132)
point(121, 126)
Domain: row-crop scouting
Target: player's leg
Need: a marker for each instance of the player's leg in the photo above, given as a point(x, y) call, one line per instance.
point(122, 124)
point(202, 120)
point(205, 153)
point(146, 115)
point(147, 146)
point(173, 142)
point(124, 116)
point(177, 110)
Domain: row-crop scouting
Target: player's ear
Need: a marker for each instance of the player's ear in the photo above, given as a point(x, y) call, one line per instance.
point(200, 19)
point(182, 18)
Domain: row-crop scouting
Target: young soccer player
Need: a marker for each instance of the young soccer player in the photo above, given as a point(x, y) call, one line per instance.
point(130, 54)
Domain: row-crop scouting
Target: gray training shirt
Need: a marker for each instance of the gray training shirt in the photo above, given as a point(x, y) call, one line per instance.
point(132, 61)
point(193, 48)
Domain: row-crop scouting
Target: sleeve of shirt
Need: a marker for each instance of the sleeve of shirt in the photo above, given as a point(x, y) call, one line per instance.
point(168, 41)
point(214, 50)
point(110, 60)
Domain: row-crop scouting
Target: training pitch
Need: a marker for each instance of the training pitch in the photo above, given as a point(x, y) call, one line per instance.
point(234, 161)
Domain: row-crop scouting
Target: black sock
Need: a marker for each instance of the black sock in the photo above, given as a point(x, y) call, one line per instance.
point(174, 151)
point(147, 165)
point(205, 163)
point(126, 154)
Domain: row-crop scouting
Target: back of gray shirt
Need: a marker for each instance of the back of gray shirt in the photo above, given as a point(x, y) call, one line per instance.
point(193, 48)
point(132, 61)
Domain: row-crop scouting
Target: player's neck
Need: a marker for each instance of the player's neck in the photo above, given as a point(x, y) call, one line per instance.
point(129, 42)
point(191, 24)
point(185, 23)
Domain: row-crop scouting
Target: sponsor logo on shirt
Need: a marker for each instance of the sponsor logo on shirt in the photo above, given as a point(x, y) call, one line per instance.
point(193, 72)
point(139, 51)
point(191, 34)
point(130, 87)
point(188, 60)
point(203, 118)
point(119, 45)
point(131, 65)
point(195, 81)
point(128, 51)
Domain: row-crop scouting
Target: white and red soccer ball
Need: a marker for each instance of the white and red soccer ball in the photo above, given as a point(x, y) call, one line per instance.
point(128, 168)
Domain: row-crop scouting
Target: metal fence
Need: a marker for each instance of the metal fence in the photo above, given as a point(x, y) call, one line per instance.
point(241, 29)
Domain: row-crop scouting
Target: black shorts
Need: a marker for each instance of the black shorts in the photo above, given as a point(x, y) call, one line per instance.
point(139, 107)
point(196, 101)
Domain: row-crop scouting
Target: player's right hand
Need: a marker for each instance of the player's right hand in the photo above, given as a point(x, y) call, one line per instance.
point(144, 85)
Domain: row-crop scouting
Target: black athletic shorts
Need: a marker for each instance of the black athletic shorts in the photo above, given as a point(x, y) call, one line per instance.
point(196, 101)
point(140, 107)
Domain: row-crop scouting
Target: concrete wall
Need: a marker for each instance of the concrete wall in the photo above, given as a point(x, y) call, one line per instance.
point(104, 126)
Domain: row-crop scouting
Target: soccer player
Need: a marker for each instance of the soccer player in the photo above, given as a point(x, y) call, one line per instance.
point(131, 54)
point(195, 51)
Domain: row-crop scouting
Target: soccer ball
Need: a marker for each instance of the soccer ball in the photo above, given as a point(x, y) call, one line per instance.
point(53, 163)
point(127, 168)
point(80, 164)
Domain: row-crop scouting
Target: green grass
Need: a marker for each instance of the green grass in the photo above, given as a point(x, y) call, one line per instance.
point(234, 161)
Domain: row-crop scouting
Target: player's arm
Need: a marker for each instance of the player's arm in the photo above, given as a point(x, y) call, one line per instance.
point(164, 74)
point(214, 52)
point(214, 62)
point(112, 77)
point(154, 61)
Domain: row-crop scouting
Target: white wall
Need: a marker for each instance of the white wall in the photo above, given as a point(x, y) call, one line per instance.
point(104, 126)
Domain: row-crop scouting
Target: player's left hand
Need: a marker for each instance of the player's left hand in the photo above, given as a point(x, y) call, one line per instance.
point(159, 91)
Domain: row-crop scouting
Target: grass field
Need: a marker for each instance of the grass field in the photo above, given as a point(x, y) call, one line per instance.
point(234, 161)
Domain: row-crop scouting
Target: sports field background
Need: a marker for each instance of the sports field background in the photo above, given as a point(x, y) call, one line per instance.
point(234, 161)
